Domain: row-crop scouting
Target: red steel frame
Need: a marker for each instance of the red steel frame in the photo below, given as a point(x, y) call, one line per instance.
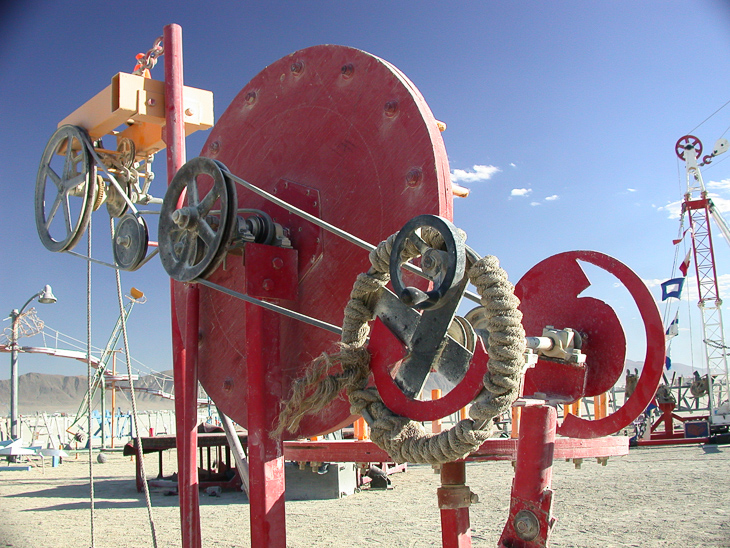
point(534, 451)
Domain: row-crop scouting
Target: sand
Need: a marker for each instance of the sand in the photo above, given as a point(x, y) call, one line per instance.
point(654, 497)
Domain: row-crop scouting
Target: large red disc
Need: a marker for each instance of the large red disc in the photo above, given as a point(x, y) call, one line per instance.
point(347, 137)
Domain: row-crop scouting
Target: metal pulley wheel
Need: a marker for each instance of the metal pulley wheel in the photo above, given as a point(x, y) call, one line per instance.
point(116, 205)
point(688, 142)
point(444, 267)
point(196, 220)
point(131, 238)
point(127, 152)
point(65, 189)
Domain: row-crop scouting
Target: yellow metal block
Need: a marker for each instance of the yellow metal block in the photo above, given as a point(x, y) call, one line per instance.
point(139, 103)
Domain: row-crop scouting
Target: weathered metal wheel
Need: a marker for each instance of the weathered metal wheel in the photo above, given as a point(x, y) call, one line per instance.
point(131, 238)
point(116, 205)
point(444, 267)
point(197, 217)
point(65, 189)
point(127, 151)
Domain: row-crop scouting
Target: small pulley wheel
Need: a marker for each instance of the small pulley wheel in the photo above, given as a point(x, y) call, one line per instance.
point(196, 220)
point(688, 142)
point(131, 238)
point(116, 205)
point(65, 189)
point(127, 152)
point(444, 267)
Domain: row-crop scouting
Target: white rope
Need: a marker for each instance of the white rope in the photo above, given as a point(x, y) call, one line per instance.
point(403, 439)
point(140, 454)
point(88, 380)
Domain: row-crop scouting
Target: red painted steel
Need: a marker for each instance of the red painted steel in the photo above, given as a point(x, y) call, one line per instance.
point(184, 360)
point(353, 130)
point(531, 491)
point(455, 528)
point(387, 351)
point(492, 449)
point(549, 295)
point(265, 455)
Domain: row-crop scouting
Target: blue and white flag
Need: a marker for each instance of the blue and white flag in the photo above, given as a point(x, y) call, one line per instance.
point(673, 329)
point(672, 288)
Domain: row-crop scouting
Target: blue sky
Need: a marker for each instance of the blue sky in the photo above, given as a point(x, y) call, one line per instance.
point(562, 119)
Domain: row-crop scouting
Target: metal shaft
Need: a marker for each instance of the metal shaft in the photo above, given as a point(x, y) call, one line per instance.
point(328, 227)
point(14, 430)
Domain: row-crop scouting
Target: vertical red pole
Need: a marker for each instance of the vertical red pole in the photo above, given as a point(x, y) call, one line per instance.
point(266, 460)
point(454, 500)
point(184, 356)
point(530, 519)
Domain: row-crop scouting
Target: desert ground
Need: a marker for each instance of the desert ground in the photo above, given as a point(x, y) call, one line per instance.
point(654, 497)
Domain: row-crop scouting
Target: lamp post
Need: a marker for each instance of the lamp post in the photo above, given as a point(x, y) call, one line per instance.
point(44, 296)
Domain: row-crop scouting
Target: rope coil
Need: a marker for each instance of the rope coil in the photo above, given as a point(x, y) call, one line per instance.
point(406, 440)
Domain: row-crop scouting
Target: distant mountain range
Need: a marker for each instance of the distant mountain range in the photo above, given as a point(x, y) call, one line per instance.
point(38, 392)
point(678, 369)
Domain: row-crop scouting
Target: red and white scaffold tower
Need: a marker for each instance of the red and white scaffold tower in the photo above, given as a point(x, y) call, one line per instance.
point(700, 209)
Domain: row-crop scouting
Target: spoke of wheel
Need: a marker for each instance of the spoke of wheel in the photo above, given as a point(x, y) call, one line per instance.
point(192, 250)
point(53, 211)
point(193, 198)
point(67, 216)
point(206, 233)
point(68, 158)
point(51, 174)
point(69, 184)
point(208, 202)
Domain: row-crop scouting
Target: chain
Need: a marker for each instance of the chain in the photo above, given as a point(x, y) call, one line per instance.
point(147, 61)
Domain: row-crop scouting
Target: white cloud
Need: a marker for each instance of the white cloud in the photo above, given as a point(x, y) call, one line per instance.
point(520, 192)
point(673, 208)
point(631, 189)
point(719, 185)
point(512, 164)
point(722, 204)
point(535, 203)
point(552, 198)
point(478, 174)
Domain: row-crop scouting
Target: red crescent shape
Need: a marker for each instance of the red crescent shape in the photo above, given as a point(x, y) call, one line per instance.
point(653, 362)
point(386, 351)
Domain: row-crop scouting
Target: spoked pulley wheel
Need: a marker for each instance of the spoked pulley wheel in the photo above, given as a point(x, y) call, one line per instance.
point(688, 142)
point(64, 192)
point(197, 217)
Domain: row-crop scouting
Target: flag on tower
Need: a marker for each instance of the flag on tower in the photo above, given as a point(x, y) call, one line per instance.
point(673, 329)
point(685, 264)
point(672, 288)
point(675, 242)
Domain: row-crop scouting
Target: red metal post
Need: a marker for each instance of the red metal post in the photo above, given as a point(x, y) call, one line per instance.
point(454, 499)
point(530, 522)
point(266, 455)
point(185, 357)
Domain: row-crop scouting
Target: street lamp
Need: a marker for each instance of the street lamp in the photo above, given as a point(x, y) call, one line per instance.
point(44, 296)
